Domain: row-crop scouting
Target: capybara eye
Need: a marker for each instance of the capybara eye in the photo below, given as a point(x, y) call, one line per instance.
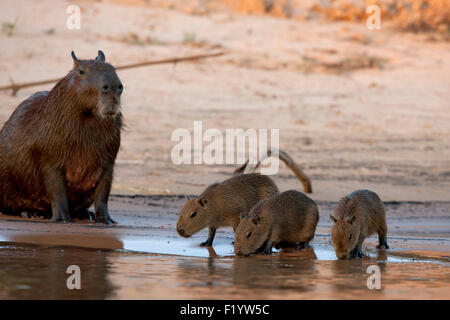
point(120, 87)
point(350, 238)
point(80, 72)
point(193, 214)
point(249, 234)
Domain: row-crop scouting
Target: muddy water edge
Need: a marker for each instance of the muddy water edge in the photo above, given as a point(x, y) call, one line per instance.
point(143, 258)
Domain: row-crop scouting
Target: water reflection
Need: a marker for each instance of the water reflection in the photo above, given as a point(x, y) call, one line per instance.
point(259, 274)
point(39, 272)
point(29, 272)
point(287, 271)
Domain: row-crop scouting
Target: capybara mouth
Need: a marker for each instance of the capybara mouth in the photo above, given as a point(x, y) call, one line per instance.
point(342, 256)
point(241, 254)
point(109, 114)
point(185, 235)
point(182, 233)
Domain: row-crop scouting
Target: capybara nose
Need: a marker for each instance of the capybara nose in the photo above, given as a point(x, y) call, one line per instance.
point(180, 231)
point(116, 88)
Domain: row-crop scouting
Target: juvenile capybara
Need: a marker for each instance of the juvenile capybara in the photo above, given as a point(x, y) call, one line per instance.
point(221, 204)
point(58, 148)
point(289, 217)
point(357, 216)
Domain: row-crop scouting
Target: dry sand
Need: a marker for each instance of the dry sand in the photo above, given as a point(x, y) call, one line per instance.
point(356, 108)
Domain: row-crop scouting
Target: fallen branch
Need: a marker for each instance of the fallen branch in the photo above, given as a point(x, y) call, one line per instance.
point(15, 87)
point(288, 161)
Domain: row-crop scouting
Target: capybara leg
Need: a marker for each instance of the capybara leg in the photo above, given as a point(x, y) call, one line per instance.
point(357, 253)
point(382, 242)
point(101, 198)
point(211, 235)
point(56, 188)
point(268, 247)
point(60, 211)
point(302, 245)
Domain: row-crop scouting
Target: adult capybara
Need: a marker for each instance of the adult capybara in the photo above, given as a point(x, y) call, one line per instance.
point(58, 148)
point(222, 204)
point(290, 217)
point(357, 216)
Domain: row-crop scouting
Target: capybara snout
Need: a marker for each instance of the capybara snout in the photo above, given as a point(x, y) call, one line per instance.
point(181, 232)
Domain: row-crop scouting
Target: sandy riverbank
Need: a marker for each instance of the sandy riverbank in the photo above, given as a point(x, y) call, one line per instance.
point(356, 108)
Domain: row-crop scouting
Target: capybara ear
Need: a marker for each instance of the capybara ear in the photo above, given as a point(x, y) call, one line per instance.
point(333, 218)
point(256, 220)
point(75, 59)
point(351, 219)
point(101, 56)
point(203, 202)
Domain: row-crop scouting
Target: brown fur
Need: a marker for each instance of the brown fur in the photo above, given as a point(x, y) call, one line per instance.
point(356, 217)
point(289, 217)
point(58, 148)
point(221, 204)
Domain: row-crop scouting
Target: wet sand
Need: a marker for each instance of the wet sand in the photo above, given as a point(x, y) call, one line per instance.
point(144, 258)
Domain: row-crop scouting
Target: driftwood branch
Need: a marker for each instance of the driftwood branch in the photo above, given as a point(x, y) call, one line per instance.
point(15, 87)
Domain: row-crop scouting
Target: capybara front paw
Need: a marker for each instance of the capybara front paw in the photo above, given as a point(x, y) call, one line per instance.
point(382, 243)
point(357, 254)
point(60, 219)
point(206, 244)
point(106, 219)
point(383, 246)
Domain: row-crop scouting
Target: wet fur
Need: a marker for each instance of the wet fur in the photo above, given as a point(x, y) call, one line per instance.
point(290, 217)
point(58, 136)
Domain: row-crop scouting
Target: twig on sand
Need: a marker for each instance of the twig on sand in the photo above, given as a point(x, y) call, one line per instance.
point(290, 163)
point(15, 87)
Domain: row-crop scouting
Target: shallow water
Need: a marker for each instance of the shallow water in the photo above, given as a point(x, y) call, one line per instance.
point(144, 258)
point(187, 271)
